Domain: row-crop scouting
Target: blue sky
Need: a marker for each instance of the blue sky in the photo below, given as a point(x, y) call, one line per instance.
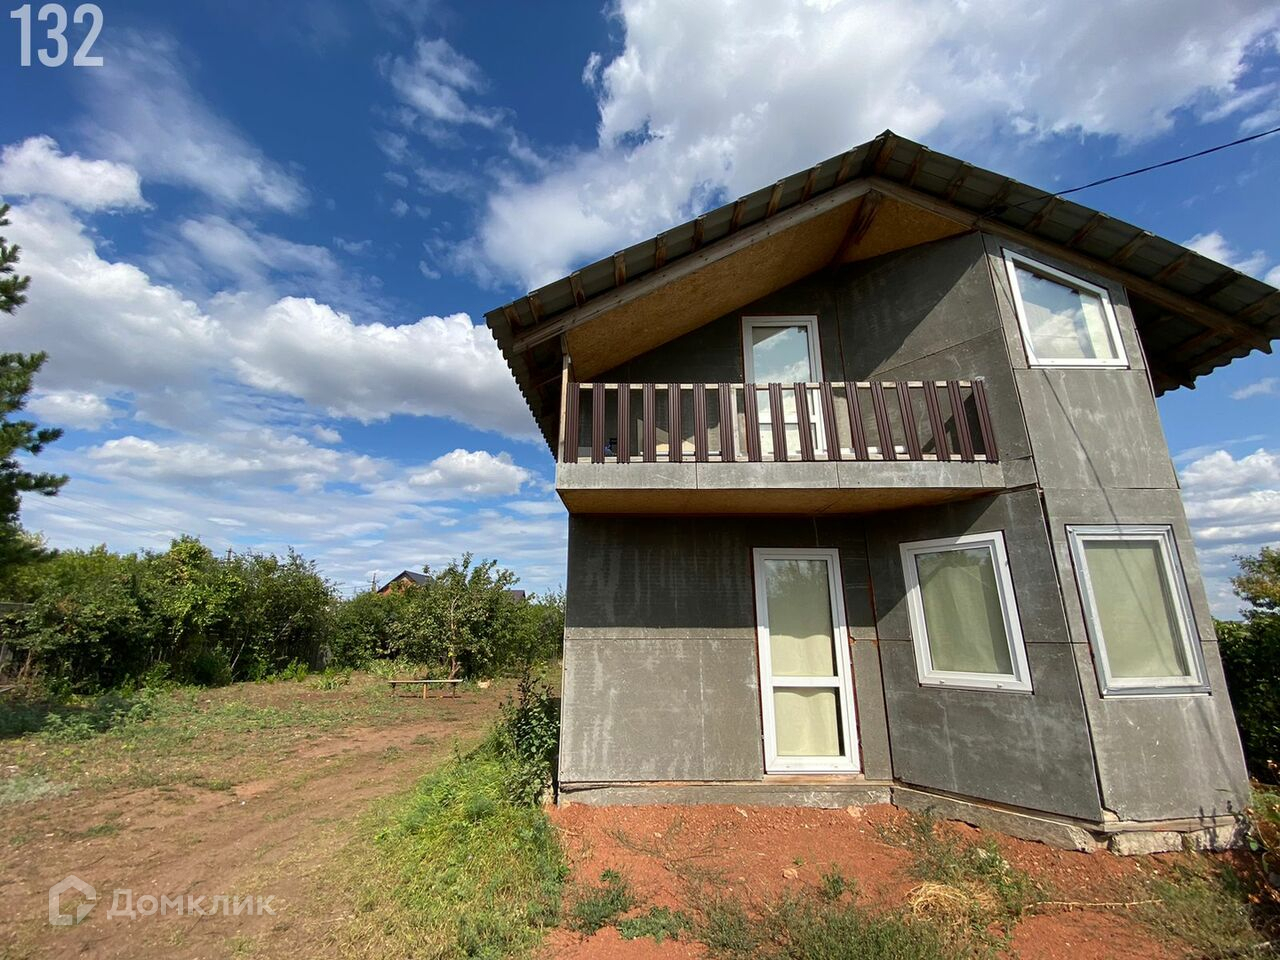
point(263, 237)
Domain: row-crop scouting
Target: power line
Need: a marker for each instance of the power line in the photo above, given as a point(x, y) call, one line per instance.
point(1155, 166)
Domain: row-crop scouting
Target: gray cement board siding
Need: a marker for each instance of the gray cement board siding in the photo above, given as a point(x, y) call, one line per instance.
point(661, 677)
point(1167, 757)
point(1029, 750)
point(1095, 428)
point(873, 724)
point(658, 708)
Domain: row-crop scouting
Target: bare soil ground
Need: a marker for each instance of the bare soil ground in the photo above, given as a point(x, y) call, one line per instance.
point(260, 801)
point(672, 856)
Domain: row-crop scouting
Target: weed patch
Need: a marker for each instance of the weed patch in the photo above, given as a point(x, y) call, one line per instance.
point(596, 907)
point(798, 928)
point(1205, 907)
point(968, 890)
point(657, 923)
point(29, 788)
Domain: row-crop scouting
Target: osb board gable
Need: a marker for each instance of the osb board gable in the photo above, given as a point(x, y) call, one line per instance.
point(899, 225)
point(703, 295)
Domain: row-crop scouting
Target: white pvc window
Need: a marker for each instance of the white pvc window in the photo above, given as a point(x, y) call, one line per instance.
point(784, 350)
point(1137, 610)
point(964, 622)
point(805, 685)
point(1065, 321)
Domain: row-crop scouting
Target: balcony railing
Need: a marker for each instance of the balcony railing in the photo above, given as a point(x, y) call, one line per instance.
point(912, 420)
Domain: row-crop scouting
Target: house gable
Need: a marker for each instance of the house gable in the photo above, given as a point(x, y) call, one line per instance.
point(886, 195)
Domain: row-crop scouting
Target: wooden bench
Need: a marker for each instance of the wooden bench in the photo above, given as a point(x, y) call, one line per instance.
point(425, 685)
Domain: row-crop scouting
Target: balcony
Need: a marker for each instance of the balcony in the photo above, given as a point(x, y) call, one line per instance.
point(773, 448)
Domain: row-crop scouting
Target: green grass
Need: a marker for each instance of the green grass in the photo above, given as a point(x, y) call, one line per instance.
point(803, 928)
point(657, 923)
point(596, 907)
point(1207, 908)
point(29, 788)
point(458, 871)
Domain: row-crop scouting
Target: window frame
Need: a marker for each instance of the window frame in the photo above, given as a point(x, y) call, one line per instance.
point(809, 321)
point(1017, 682)
point(1012, 261)
point(1193, 684)
point(842, 682)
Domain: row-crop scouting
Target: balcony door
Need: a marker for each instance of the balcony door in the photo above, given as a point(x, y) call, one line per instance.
point(805, 685)
point(784, 350)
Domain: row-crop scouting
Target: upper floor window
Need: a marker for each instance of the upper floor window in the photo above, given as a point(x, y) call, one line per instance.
point(1136, 609)
point(963, 618)
point(1065, 321)
point(781, 350)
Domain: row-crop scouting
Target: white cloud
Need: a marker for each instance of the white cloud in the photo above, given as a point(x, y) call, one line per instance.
point(1214, 246)
point(146, 114)
point(68, 408)
point(474, 472)
point(110, 328)
point(438, 366)
point(399, 207)
point(1220, 471)
point(37, 168)
point(435, 83)
point(326, 434)
point(1233, 506)
point(245, 254)
point(1261, 388)
point(715, 98)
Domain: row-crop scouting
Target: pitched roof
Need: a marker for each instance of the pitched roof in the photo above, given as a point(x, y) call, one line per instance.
point(1193, 314)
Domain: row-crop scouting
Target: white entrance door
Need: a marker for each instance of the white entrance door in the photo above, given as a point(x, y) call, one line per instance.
point(809, 724)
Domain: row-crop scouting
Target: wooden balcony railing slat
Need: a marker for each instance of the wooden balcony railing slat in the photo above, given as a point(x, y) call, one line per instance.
point(726, 424)
point(909, 421)
point(597, 423)
point(805, 422)
point(649, 423)
point(883, 429)
point(752, 415)
point(700, 422)
point(675, 442)
point(936, 423)
point(829, 420)
point(962, 421)
point(776, 426)
point(571, 424)
point(624, 423)
point(856, 434)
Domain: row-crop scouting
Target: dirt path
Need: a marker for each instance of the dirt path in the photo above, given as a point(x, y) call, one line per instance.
point(271, 836)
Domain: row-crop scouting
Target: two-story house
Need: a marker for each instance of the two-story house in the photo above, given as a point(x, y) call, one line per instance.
point(869, 499)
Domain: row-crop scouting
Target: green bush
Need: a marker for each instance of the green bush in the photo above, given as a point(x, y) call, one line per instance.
point(528, 737)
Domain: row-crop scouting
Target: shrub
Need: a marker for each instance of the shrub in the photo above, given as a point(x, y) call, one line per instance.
point(1251, 661)
point(528, 737)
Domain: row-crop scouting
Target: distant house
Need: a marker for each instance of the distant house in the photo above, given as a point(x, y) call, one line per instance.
point(800, 572)
point(403, 581)
point(407, 578)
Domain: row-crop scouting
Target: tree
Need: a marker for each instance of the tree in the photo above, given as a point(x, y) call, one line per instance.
point(1251, 660)
point(17, 371)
